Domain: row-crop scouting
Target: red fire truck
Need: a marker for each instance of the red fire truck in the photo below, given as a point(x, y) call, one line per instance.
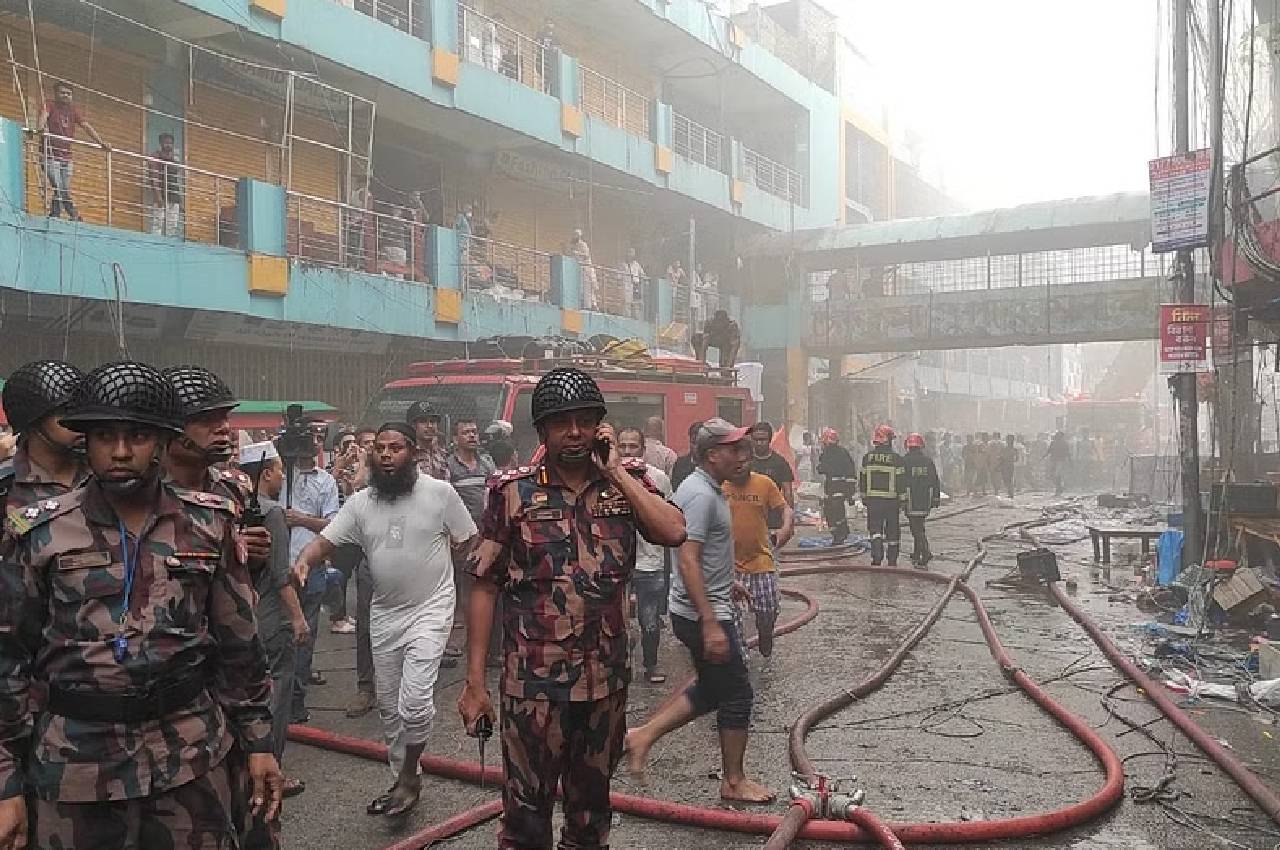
point(680, 390)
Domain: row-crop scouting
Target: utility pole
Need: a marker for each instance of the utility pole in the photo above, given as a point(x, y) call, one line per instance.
point(1184, 384)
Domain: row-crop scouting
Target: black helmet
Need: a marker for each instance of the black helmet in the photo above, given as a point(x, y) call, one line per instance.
point(38, 389)
point(199, 390)
point(420, 411)
point(565, 389)
point(127, 391)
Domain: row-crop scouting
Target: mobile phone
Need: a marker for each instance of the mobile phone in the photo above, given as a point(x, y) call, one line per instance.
point(601, 447)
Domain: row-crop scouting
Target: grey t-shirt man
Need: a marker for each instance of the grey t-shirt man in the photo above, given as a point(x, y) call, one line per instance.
point(708, 521)
point(471, 482)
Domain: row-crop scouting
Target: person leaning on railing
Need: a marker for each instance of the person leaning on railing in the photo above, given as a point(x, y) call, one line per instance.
point(58, 122)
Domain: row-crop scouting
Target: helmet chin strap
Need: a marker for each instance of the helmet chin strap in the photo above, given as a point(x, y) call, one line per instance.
point(209, 457)
point(75, 450)
point(131, 486)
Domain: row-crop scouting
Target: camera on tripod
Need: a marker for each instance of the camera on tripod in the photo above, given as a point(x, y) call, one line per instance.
point(295, 441)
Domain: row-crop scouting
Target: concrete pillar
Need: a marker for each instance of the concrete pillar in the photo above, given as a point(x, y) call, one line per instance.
point(660, 127)
point(566, 282)
point(797, 404)
point(260, 216)
point(565, 78)
point(444, 25)
point(664, 302)
point(443, 257)
point(13, 177)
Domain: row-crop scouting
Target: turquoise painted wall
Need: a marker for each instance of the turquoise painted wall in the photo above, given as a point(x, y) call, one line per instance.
point(54, 257)
point(360, 42)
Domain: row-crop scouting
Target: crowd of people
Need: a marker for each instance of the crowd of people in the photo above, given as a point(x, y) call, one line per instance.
point(165, 580)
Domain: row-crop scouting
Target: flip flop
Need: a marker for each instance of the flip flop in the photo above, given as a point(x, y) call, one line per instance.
point(410, 805)
point(380, 804)
point(293, 787)
point(656, 678)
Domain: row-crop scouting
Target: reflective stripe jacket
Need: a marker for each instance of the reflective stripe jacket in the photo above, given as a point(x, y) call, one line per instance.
point(882, 476)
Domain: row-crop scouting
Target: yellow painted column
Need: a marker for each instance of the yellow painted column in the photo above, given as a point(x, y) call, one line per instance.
point(797, 386)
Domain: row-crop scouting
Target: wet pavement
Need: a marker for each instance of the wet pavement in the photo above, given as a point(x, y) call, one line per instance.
point(947, 739)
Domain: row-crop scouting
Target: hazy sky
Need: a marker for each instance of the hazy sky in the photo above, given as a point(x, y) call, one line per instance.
point(1019, 100)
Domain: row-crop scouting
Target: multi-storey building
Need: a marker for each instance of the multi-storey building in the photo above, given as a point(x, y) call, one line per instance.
point(326, 148)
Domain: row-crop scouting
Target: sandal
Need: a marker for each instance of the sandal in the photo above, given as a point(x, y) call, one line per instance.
point(409, 805)
point(381, 803)
point(655, 678)
point(293, 787)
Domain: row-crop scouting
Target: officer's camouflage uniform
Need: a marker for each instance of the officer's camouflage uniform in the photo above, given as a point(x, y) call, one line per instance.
point(563, 562)
point(161, 782)
point(23, 481)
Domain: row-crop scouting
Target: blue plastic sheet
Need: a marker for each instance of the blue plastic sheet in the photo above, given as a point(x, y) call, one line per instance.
point(1168, 557)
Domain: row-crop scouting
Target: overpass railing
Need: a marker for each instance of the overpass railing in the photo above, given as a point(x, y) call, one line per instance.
point(997, 271)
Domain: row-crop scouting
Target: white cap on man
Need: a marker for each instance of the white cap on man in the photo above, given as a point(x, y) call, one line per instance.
point(258, 453)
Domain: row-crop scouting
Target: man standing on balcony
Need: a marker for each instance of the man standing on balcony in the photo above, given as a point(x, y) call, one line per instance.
point(581, 252)
point(633, 285)
point(58, 123)
point(164, 179)
point(462, 225)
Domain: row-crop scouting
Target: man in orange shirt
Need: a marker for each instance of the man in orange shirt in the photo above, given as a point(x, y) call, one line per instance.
point(752, 497)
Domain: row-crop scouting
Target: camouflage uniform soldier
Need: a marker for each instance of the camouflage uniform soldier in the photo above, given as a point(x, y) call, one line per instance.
point(129, 601)
point(196, 458)
point(50, 459)
point(433, 460)
point(558, 541)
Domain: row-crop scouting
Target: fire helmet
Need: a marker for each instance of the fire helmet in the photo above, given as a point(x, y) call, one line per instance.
point(829, 437)
point(884, 435)
point(38, 389)
point(127, 391)
point(565, 389)
point(914, 441)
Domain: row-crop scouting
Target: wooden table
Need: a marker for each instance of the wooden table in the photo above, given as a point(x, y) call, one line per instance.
point(1101, 538)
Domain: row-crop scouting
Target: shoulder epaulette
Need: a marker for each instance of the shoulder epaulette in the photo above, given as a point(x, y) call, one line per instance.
point(238, 478)
point(507, 476)
point(21, 520)
point(207, 500)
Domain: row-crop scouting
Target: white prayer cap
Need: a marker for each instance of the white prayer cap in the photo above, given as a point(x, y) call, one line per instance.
point(258, 452)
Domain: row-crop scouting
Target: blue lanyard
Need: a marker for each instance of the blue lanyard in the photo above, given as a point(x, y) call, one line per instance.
point(130, 567)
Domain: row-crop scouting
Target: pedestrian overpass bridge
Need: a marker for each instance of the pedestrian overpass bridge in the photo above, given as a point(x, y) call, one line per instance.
point(1076, 270)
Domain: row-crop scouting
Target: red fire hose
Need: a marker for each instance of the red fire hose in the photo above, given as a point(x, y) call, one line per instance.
point(459, 823)
point(742, 822)
point(1248, 781)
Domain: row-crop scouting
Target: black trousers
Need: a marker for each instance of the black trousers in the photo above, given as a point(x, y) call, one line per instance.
point(885, 530)
point(836, 516)
point(920, 553)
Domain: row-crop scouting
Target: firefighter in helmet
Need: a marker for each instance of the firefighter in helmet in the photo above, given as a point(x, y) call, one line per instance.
point(883, 487)
point(924, 493)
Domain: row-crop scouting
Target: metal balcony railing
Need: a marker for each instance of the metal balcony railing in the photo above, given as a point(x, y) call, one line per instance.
point(695, 142)
point(771, 176)
point(489, 42)
point(405, 15)
point(330, 233)
point(614, 291)
point(489, 264)
point(611, 101)
point(120, 188)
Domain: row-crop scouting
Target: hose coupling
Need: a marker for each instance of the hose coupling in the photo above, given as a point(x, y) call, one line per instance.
point(824, 798)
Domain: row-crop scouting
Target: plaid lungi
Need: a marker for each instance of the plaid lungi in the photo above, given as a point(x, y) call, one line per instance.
point(763, 587)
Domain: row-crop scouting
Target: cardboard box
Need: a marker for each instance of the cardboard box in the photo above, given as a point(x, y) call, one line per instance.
point(1269, 661)
point(1241, 592)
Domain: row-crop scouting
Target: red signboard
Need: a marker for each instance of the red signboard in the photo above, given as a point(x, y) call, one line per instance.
point(1184, 338)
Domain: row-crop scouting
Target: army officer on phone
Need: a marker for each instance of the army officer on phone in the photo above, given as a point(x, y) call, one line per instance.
point(558, 542)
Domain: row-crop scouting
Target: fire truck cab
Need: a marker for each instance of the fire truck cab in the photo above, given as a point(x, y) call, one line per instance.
point(680, 390)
